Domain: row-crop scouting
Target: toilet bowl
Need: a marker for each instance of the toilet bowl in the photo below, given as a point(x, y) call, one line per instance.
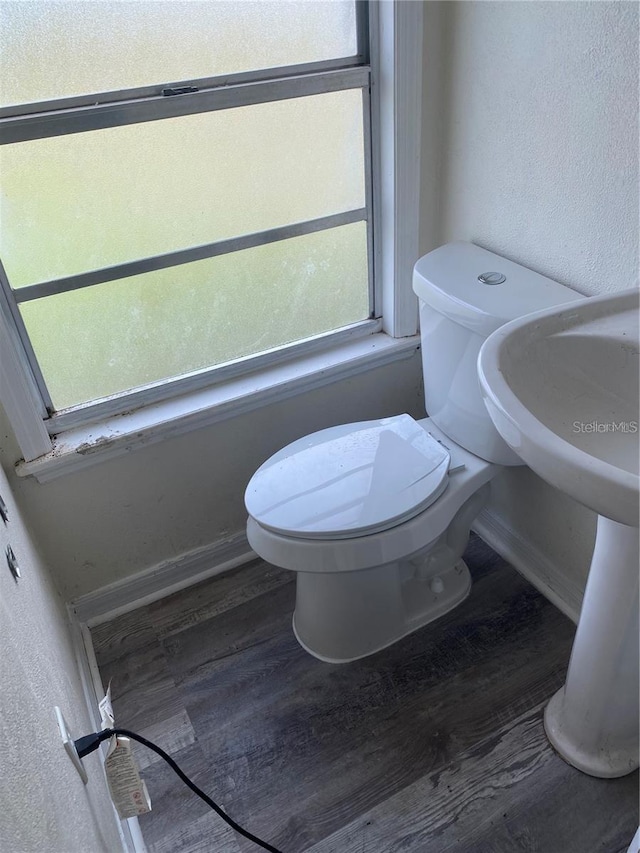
point(369, 582)
point(374, 516)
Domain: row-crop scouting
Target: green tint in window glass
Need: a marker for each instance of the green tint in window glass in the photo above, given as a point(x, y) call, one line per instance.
point(73, 203)
point(53, 49)
point(112, 337)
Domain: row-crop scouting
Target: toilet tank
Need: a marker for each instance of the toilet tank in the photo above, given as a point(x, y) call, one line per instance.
point(465, 293)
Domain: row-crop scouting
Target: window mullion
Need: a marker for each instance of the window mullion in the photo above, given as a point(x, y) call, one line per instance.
point(156, 90)
point(186, 256)
point(399, 95)
point(22, 128)
point(368, 186)
point(363, 11)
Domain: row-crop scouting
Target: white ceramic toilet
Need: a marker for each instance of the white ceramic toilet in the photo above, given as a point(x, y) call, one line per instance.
point(374, 517)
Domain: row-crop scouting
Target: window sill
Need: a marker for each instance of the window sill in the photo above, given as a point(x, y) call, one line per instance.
point(85, 446)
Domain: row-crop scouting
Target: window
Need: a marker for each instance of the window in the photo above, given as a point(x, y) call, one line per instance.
point(153, 230)
point(189, 193)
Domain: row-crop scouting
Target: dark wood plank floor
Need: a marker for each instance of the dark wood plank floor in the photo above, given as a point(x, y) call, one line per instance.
point(435, 745)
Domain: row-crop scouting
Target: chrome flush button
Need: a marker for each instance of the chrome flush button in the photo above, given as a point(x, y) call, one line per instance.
point(492, 278)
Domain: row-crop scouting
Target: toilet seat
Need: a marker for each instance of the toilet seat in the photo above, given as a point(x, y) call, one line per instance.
point(349, 481)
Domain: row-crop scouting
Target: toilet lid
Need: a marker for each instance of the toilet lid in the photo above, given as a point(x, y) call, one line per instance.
point(349, 480)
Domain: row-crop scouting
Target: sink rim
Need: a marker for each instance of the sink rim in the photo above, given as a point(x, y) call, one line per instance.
point(613, 491)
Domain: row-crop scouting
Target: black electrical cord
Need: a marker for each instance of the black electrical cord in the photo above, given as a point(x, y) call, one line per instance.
point(89, 743)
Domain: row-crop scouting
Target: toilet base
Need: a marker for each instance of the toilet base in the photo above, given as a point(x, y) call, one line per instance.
point(342, 617)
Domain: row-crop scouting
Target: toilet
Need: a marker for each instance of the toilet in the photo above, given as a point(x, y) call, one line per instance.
point(374, 516)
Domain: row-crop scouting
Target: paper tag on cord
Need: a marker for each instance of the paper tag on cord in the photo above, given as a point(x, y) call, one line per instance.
point(106, 710)
point(128, 791)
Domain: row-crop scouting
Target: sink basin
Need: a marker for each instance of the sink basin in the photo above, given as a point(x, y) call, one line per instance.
point(561, 386)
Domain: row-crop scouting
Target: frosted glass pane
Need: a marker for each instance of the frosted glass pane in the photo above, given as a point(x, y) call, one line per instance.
point(73, 203)
point(120, 335)
point(59, 49)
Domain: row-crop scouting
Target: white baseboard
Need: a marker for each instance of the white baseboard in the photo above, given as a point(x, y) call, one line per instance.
point(161, 580)
point(527, 559)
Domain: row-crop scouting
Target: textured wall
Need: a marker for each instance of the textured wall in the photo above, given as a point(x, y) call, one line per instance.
point(538, 158)
point(541, 137)
point(44, 805)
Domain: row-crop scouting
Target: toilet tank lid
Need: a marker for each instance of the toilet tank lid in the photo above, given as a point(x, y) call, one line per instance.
point(449, 280)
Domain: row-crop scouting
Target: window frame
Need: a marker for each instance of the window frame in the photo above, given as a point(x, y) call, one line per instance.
point(395, 31)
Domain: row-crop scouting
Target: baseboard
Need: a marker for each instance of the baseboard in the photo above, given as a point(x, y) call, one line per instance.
point(168, 577)
point(527, 559)
point(161, 580)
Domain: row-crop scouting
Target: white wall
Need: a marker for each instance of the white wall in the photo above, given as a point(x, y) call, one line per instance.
point(538, 158)
point(541, 137)
point(105, 523)
point(44, 806)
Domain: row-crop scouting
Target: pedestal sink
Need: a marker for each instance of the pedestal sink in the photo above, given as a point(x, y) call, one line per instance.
point(561, 387)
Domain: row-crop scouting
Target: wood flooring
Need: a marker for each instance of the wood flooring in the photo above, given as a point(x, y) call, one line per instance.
point(435, 745)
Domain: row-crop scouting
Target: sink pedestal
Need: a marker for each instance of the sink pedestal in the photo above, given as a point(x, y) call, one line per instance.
point(593, 720)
